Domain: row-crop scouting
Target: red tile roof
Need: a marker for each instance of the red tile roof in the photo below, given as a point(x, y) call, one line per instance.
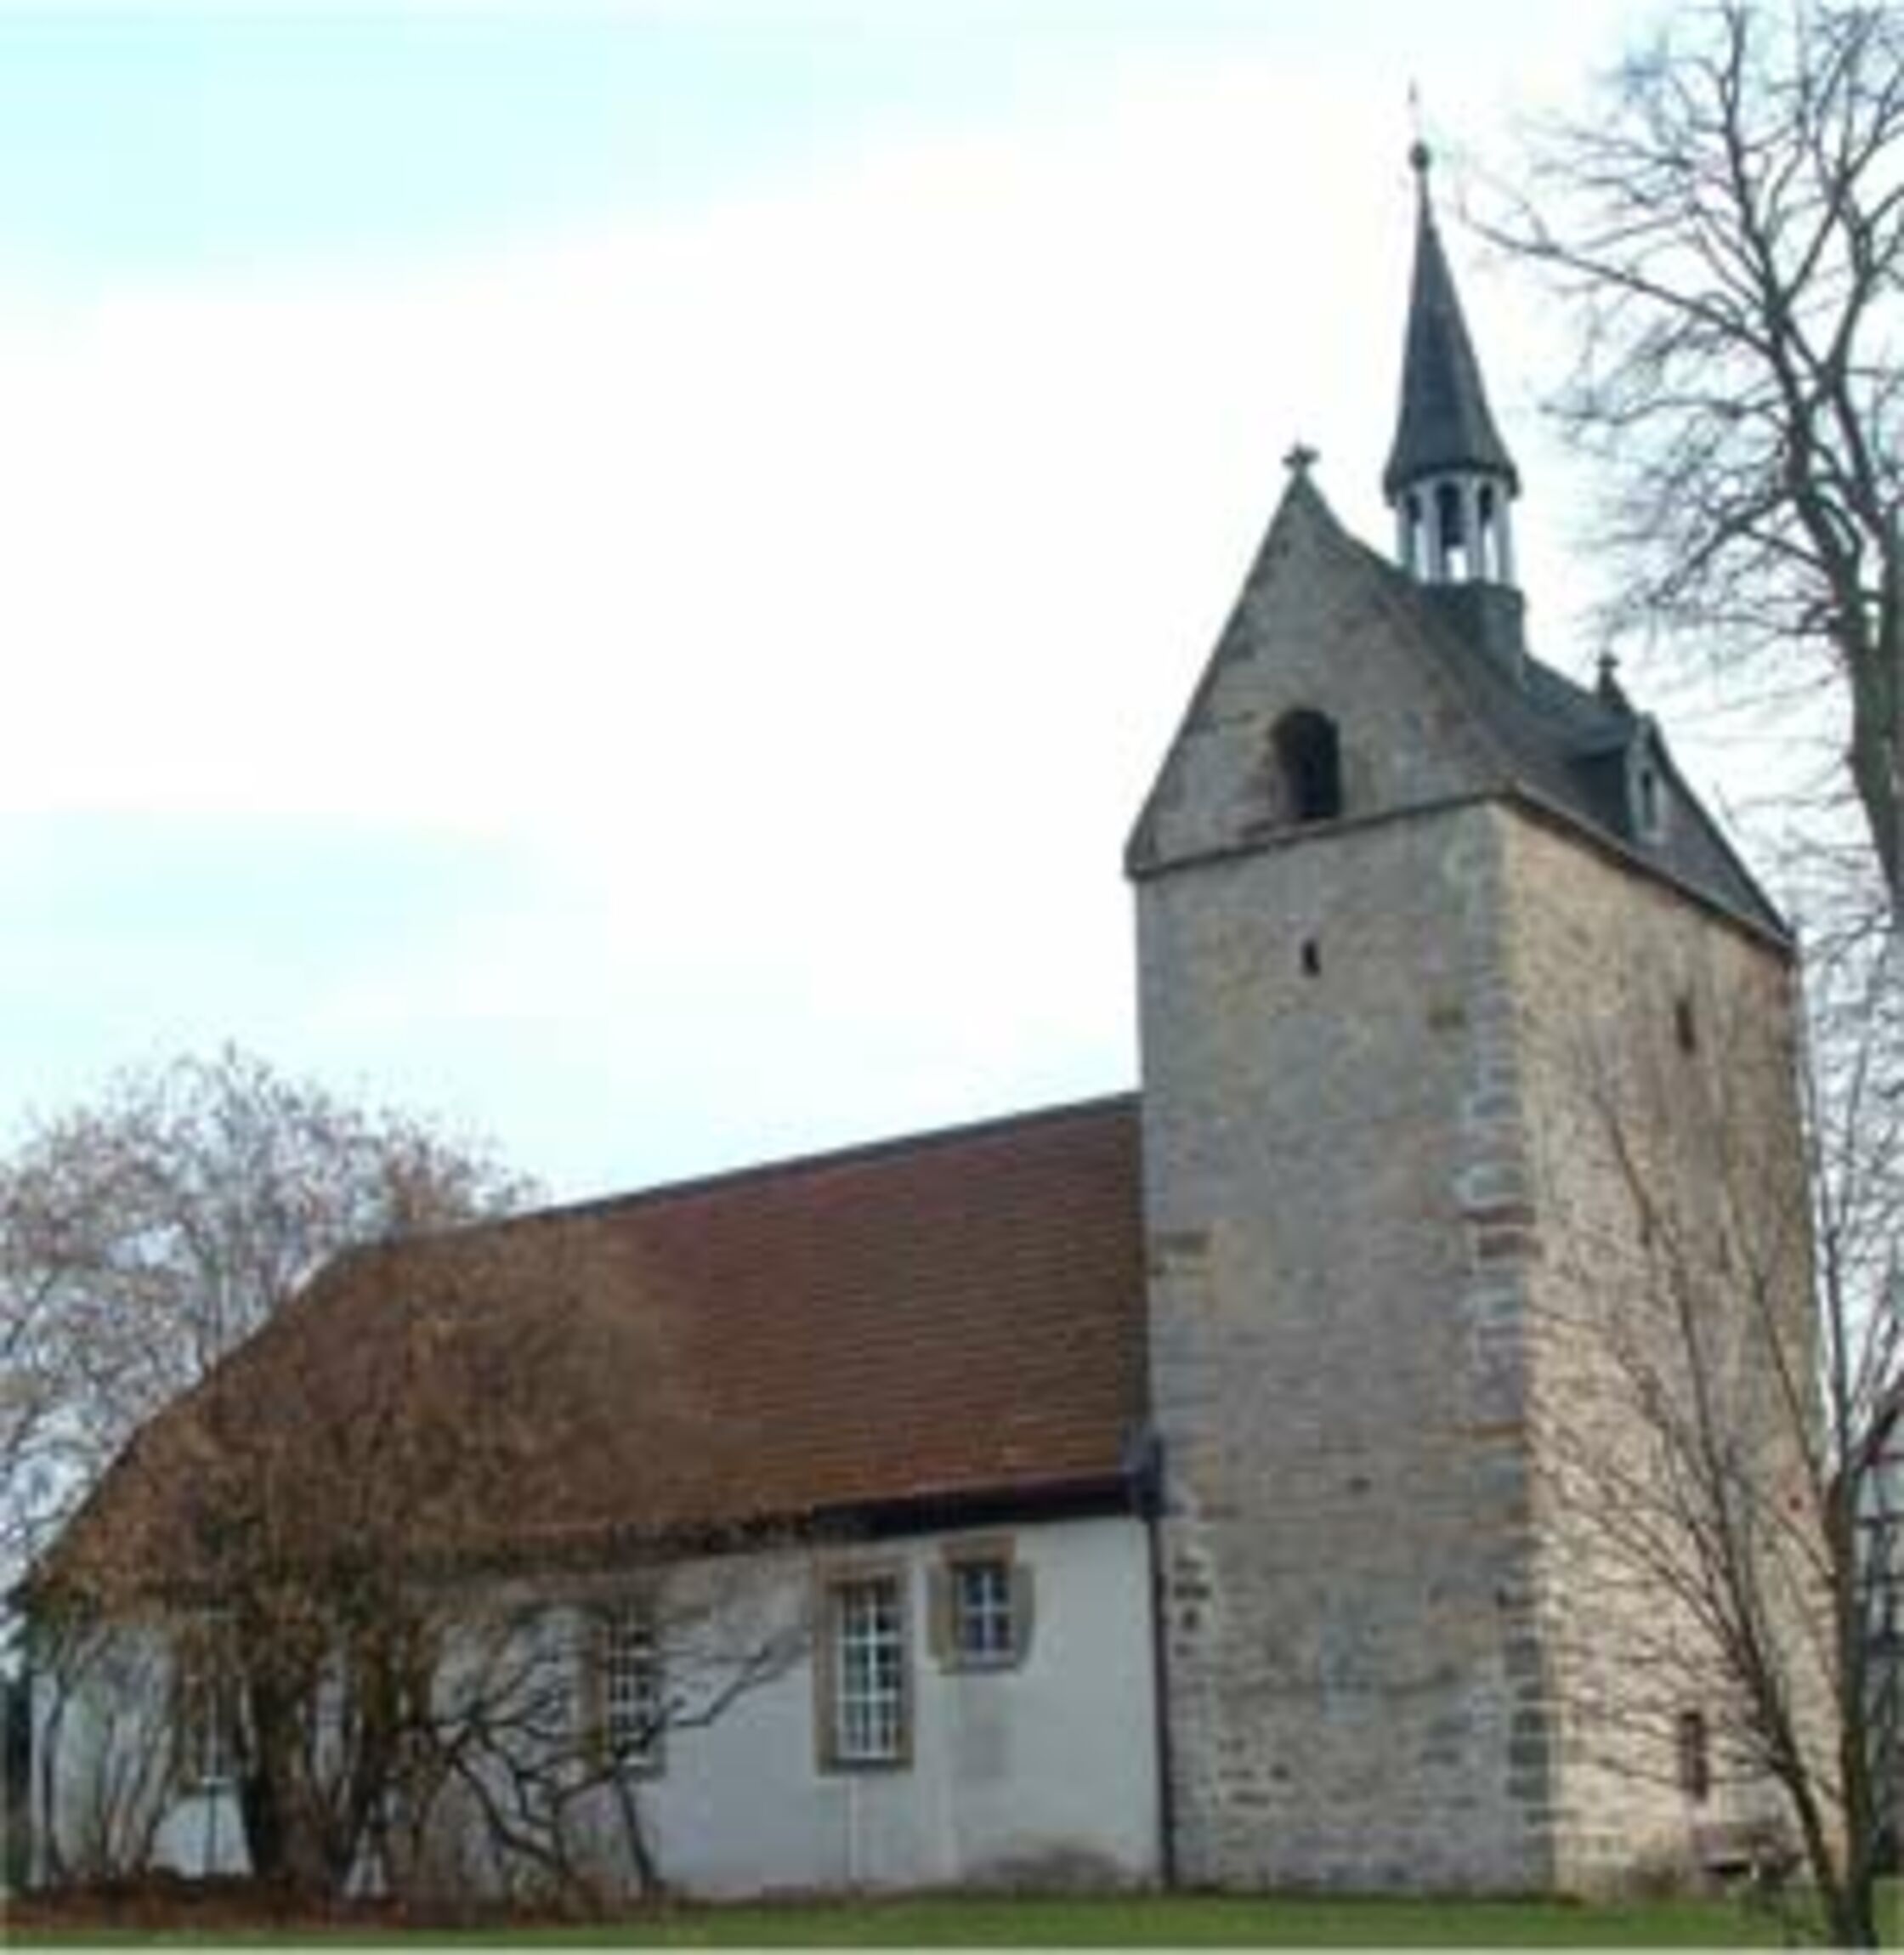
point(947, 1316)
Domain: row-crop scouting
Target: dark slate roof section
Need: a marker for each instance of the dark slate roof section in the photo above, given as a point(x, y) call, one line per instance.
point(1566, 745)
point(1444, 423)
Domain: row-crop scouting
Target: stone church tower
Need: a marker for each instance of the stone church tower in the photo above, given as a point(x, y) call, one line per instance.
point(1390, 869)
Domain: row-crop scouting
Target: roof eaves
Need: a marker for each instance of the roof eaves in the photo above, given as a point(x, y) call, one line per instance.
point(1774, 918)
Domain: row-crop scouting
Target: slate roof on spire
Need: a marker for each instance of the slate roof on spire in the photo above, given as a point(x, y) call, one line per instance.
point(1444, 422)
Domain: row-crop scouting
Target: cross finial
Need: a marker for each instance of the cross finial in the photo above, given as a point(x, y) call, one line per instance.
point(1300, 459)
point(1420, 155)
point(1609, 687)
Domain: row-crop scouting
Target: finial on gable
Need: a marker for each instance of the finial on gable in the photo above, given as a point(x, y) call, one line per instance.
point(1420, 155)
point(1300, 459)
point(1607, 685)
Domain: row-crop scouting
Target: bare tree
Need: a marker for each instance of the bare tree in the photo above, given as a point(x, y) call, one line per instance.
point(112, 1783)
point(142, 1237)
point(1718, 1371)
point(40, 1445)
point(1728, 229)
point(556, 1708)
point(383, 1517)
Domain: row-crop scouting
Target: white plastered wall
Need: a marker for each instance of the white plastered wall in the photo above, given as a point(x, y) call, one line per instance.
point(1044, 1772)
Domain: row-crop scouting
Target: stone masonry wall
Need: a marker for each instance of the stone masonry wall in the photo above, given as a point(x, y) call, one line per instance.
point(1647, 1027)
point(1336, 1205)
point(1315, 626)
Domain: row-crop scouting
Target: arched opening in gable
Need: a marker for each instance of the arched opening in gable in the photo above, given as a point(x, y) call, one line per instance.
point(1309, 757)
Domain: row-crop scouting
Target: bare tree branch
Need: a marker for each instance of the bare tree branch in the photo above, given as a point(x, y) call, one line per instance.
point(1709, 1459)
point(1729, 231)
point(143, 1238)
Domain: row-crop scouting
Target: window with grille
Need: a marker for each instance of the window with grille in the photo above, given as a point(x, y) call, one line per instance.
point(984, 1616)
point(868, 1677)
point(979, 1610)
point(632, 1703)
point(205, 1706)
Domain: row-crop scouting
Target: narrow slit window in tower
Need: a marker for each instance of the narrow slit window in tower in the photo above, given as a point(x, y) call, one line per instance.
point(1310, 757)
point(1685, 1023)
point(1695, 1756)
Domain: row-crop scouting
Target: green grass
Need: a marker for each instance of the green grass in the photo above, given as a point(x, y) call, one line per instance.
point(1142, 1921)
point(1205, 1922)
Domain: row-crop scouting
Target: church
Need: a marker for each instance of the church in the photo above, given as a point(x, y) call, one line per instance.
point(1148, 1491)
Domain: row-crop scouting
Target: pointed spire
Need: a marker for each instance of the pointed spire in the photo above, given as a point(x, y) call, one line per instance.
point(1444, 426)
point(1449, 478)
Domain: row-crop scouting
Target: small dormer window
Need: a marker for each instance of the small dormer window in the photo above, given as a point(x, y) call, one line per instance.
point(1309, 757)
point(1645, 791)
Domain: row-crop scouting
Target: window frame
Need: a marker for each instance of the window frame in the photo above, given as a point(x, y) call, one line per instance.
point(628, 1653)
point(836, 1691)
point(950, 1645)
point(1649, 803)
point(984, 1626)
point(206, 1714)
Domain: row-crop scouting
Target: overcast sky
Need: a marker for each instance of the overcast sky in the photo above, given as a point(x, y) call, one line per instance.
point(617, 575)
